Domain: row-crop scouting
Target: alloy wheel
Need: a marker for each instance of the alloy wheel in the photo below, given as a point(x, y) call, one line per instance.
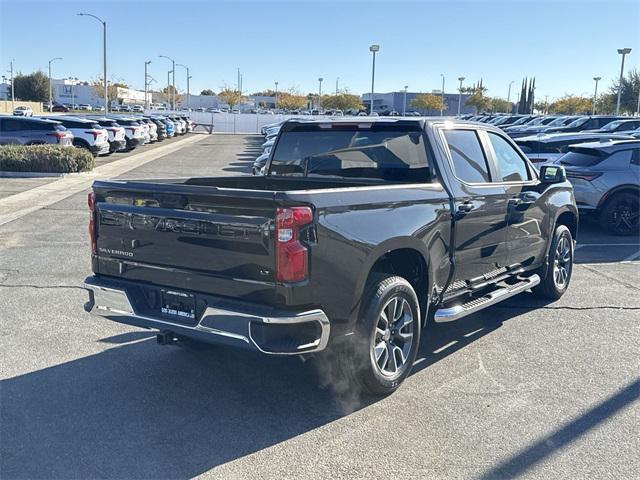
point(562, 263)
point(393, 337)
point(624, 217)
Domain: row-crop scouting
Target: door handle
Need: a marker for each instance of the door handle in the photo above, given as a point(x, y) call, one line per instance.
point(526, 198)
point(465, 207)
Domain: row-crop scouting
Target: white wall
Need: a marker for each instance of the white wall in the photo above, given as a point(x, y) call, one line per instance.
point(236, 123)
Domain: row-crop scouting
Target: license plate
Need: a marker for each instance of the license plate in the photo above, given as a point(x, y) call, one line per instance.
point(178, 305)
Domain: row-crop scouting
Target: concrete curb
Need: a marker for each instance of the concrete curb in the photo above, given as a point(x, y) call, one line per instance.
point(23, 203)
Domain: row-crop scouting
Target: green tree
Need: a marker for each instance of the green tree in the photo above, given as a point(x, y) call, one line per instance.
point(428, 101)
point(541, 107)
point(342, 101)
point(501, 105)
point(479, 102)
point(630, 91)
point(207, 92)
point(167, 94)
point(606, 103)
point(265, 93)
point(572, 104)
point(231, 97)
point(33, 87)
point(291, 100)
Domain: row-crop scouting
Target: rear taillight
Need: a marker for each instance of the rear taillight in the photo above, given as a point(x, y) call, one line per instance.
point(59, 135)
point(584, 176)
point(95, 133)
point(292, 262)
point(91, 202)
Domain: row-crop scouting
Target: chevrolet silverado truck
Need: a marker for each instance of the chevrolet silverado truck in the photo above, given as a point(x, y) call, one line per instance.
point(360, 234)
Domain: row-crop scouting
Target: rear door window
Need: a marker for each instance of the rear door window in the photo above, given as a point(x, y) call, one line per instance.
point(469, 161)
point(511, 166)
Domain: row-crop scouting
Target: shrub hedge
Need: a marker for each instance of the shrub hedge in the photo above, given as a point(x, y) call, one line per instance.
point(45, 158)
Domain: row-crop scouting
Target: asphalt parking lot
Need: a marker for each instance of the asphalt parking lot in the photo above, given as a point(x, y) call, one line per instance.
point(525, 389)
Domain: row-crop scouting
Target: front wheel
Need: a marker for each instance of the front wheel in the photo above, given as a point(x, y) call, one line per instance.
point(382, 352)
point(560, 266)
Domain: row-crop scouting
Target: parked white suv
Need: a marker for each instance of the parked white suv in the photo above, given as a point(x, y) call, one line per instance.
point(117, 140)
point(87, 134)
point(23, 111)
point(134, 132)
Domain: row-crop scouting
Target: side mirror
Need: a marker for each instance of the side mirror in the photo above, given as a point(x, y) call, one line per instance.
point(552, 174)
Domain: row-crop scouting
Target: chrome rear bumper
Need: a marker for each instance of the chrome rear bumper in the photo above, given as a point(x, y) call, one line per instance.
point(223, 322)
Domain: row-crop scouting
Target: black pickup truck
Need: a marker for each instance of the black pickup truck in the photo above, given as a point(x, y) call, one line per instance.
point(361, 232)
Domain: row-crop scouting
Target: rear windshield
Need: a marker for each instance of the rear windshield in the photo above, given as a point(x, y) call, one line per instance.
point(578, 122)
point(377, 151)
point(582, 159)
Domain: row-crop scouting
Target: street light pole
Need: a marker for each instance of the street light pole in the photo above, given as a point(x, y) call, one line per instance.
point(13, 97)
point(188, 77)
point(104, 58)
point(460, 79)
point(50, 89)
point(337, 80)
point(320, 94)
point(168, 89)
point(275, 106)
point(509, 93)
point(442, 97)
point(623, 52)
point(173, 71)
point(404, 103)
point(595, 95)
point(373, 49)
point(146, 85)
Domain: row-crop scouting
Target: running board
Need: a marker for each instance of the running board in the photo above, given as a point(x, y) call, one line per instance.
point(450, 314)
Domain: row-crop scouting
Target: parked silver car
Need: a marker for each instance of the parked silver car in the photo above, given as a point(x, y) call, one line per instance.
point(606, 182)
point(548, 148)
point(33, 131)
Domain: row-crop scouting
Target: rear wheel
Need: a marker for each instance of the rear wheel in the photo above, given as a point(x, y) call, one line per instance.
point(85, 146)
point(560, 267)
point(380, 356)
point(620, 214)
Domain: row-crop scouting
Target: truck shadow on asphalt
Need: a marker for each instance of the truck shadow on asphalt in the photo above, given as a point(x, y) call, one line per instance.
point(138, 410)
point(251, 150)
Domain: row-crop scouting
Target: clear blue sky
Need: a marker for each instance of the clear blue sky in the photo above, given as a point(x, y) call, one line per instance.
point(563, 43)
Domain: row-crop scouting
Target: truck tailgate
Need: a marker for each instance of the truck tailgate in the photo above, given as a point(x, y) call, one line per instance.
point(187, 237)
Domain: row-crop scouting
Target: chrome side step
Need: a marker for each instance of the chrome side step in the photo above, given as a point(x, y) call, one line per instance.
point(450, 314)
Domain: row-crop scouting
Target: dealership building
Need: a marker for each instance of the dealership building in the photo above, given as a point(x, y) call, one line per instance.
point(383, 102)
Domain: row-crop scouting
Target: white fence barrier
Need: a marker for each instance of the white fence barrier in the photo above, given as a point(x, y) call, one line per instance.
point(234, 122)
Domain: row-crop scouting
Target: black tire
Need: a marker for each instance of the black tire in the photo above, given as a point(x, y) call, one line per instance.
point(620, 214)
point(84, 145)
point(555, 283)
point(360, 361)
